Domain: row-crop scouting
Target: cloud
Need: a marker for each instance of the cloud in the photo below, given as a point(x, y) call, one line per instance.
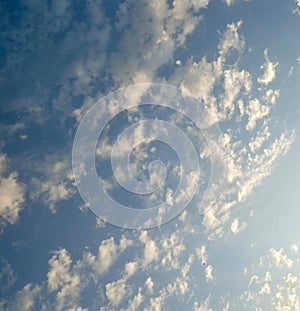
point(275, 283)
point(204, 305)
point(255, 112)
point(65, 281)
point(198, 78)
point(294, 248)
point(23, 299)
point(228, 2)
point(131, 267)
point(135, 302)
point(149, 284)
point(12, 194)
point(202, 254)
point(209, 273)
point(281, 260)
point(296, 10)
point(108, 253)
point(57, 183)
point(151, 250)
point(269, 70)
point(231, 40)
point(116, 291)
point(7, 276)
point(236, 226)
point(155, 30)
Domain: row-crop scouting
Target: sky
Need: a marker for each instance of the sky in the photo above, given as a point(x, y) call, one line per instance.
point(149, 155)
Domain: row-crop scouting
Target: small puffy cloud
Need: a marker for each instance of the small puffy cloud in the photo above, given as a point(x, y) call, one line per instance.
point(135, 302)
point(171, 248)
point(296, 10)
point(236, 226)
point(116, 291)
point(7, 275)
point(231, 39)
point(294, 248)
point(108, 253)
point(151, 250)
point(131, 267)
point(209, 273)
point(23, 300)
point(265, 289)
point(280, 259)
point(269, 70)
point(210, 219)
point(234, 82)
point(198, 78)
point(12, 194)
point(255, 111)
point(59, 269)
point(271, 96)
point(204, 305)
point(149, 284)
point(228, 2)
point(57, 183)
point(64, 280)
point(202, 254)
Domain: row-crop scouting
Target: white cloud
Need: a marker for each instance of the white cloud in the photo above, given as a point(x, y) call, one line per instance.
point(149, 284)
point(171, 248)
point(245, 172)
point(236, 226)
point(204, 305)
point(116, 291)
point(248, 162)
point(108, 253)
point(231, 40)
point(7, 276)
point(64, 280)
point(202, 254)
point(294, 248)
point(209, 273)
point(23, 300)
point(228, 2)
point(151, 250)
point(197, 78)
point(265, 289)
point(296, 10)
point(135, 302)
point(131, 267)
point(234, 82)
point(269, 70)
point(280, 259)
point(275, 282)
point(11, 194)
point(255, 111)
point(262, 136)
point(271, 96)
point(155, 30)
point(57, 183)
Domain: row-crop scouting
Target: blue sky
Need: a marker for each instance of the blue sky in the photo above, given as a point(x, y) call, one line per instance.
point(238, 62)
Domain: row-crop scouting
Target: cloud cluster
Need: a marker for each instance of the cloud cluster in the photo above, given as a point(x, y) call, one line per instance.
point(144, 270)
